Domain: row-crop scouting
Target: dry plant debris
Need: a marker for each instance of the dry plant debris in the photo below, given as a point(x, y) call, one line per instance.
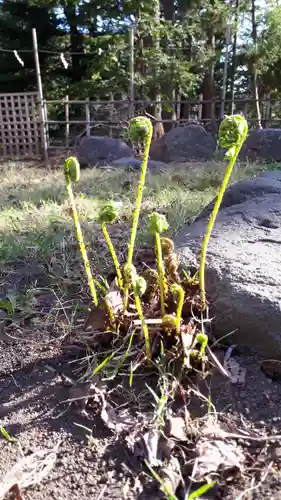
point(30, 470)
point(237, 373)
point(216, 452)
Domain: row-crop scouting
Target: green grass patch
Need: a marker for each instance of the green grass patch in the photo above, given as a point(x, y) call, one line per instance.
point(35, 222)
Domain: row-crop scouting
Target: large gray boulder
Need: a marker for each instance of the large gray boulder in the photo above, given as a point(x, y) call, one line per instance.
point(262, 145)
point(243, 279)
point(182, 144)
point(101, 151)
point(136, 163)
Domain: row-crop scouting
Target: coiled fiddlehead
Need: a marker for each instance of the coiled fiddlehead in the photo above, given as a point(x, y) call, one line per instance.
point(171, 260)
point(232, 134)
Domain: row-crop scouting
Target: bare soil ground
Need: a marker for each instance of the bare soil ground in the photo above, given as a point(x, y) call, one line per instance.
point(98, 464)
point(43, 300)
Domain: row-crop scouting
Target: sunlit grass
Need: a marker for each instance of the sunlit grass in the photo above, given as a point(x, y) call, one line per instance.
point(34, 211)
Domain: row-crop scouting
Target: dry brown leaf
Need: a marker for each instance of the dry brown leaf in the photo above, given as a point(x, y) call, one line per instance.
point(117, 422)
point(151, 446)
point(96, 319)
point(171, 474)
point(114, 298)
point(98, 316)
point(215, 455)
point(176, 428)
point(28, 471)
point(187, 336)
point(216, 451)
point(151, 442)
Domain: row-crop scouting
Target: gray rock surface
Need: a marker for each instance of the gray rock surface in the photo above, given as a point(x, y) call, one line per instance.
point(183, 144)
point(101, 151)
point(263, 145)
point(136, 163)
point(243, 278)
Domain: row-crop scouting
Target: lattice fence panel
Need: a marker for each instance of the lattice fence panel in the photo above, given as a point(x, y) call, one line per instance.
point(20, 127)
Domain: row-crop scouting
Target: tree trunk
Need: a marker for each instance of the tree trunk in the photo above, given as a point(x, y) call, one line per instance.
point(76, 42)
point(254, 66)
point(158, 129)
point(225, 68)
point(185, 11)
point(208, 88)
point(234, 52)
point(168, 9)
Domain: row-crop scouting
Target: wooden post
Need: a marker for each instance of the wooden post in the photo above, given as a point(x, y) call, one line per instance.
point(88, 117)
point(66, 111)
point(178, 114)
point(111, 113)
point(267, 111)
point(46, 123)
point(200, 107)
point(246, 107)
point(224, 79)
point(188, 111)
point(40, 92)
point(132, 75)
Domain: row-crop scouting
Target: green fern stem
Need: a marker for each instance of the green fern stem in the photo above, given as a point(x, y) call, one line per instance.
point(80, 239)
point(211, 222)
point(161, 272)
point(137, 209)
point(113, 255)
point(111, 315)
point(178, 291)
point(143, 324)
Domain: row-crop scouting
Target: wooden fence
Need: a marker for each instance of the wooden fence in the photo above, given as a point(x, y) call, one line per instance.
point(110, 117)
point(21, 130)
point(30, 126)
